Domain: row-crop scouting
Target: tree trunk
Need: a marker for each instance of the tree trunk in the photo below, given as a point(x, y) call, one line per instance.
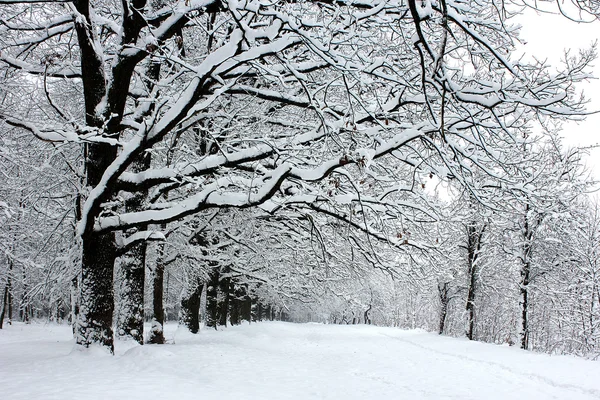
point(133, 266)
point(224, 299)
point(131, 316)
point(259, 312)
point(10, 305)
point(471, 306)
point(525, 272)
point(212, 300)
point(530, 224)
point(4, 305)
point(444, 299)
point(158, 318)
point(474, 236)
point(7, 297)
point(246, 308)
point(235, 304)
point(190, 308)
point(96, 305)
point(97, 296)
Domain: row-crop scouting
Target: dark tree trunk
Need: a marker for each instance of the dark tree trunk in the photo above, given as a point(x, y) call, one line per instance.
point(7, 297)
point(224, 300)
point(235, 304)
point(133, 266)
point(444, 300)
point(190, 308)
point(10, 305)
point(531, 223)
point(4, 305)
point(74, 303)
point(474, 236)
point(246, 307)
point(157, 335)
point(23, 314)
point(259, 312)
point(97, 296)
point(212, 299)
point(96, 306)
point(131, 318)
point(367, 318)
point(471, 307)
point(525, 271)
point(267, 311)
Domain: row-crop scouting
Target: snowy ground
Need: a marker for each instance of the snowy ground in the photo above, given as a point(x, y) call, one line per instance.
point(286, 361)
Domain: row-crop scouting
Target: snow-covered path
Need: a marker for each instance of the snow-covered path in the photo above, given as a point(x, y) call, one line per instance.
point(286, 361)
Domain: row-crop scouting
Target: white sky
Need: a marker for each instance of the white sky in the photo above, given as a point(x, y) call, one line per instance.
point(547, 37)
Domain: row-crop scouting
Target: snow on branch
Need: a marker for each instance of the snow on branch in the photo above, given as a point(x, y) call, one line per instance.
point(51, 134)
point(143, 236)
point(53, 71)
point(207, 198)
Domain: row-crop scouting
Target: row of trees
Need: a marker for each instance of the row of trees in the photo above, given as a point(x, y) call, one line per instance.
point(276, 153)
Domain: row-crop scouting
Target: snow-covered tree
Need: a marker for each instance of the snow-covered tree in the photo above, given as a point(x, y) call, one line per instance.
point(340, 107)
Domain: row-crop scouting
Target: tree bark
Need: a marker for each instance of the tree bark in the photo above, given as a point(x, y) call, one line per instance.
point(224, 299)
point(444, 299)
point(212, 300)
point(525, 272)
point(259, 311)
point(531, 223)
point(190, 308)
point(4, 304)
point(96, 306)
point(97, 296)
point(474, 238)
point(158, 318)
point(133, 266)
point(246, 307)
point(24, 304)
point(367, 318)
point(131, 318)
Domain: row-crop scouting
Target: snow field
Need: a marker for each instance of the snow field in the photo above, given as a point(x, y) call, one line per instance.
point(278, 360)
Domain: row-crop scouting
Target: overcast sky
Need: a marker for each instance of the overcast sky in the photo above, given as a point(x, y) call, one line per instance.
point(547, 37)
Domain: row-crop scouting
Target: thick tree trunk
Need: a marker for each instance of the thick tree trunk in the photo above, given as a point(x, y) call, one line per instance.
point(131, 316)
point(96, 305)
point(190, 308)
point(158, 318)
point(97, 296)
point(95, 317)
point(133, 266)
